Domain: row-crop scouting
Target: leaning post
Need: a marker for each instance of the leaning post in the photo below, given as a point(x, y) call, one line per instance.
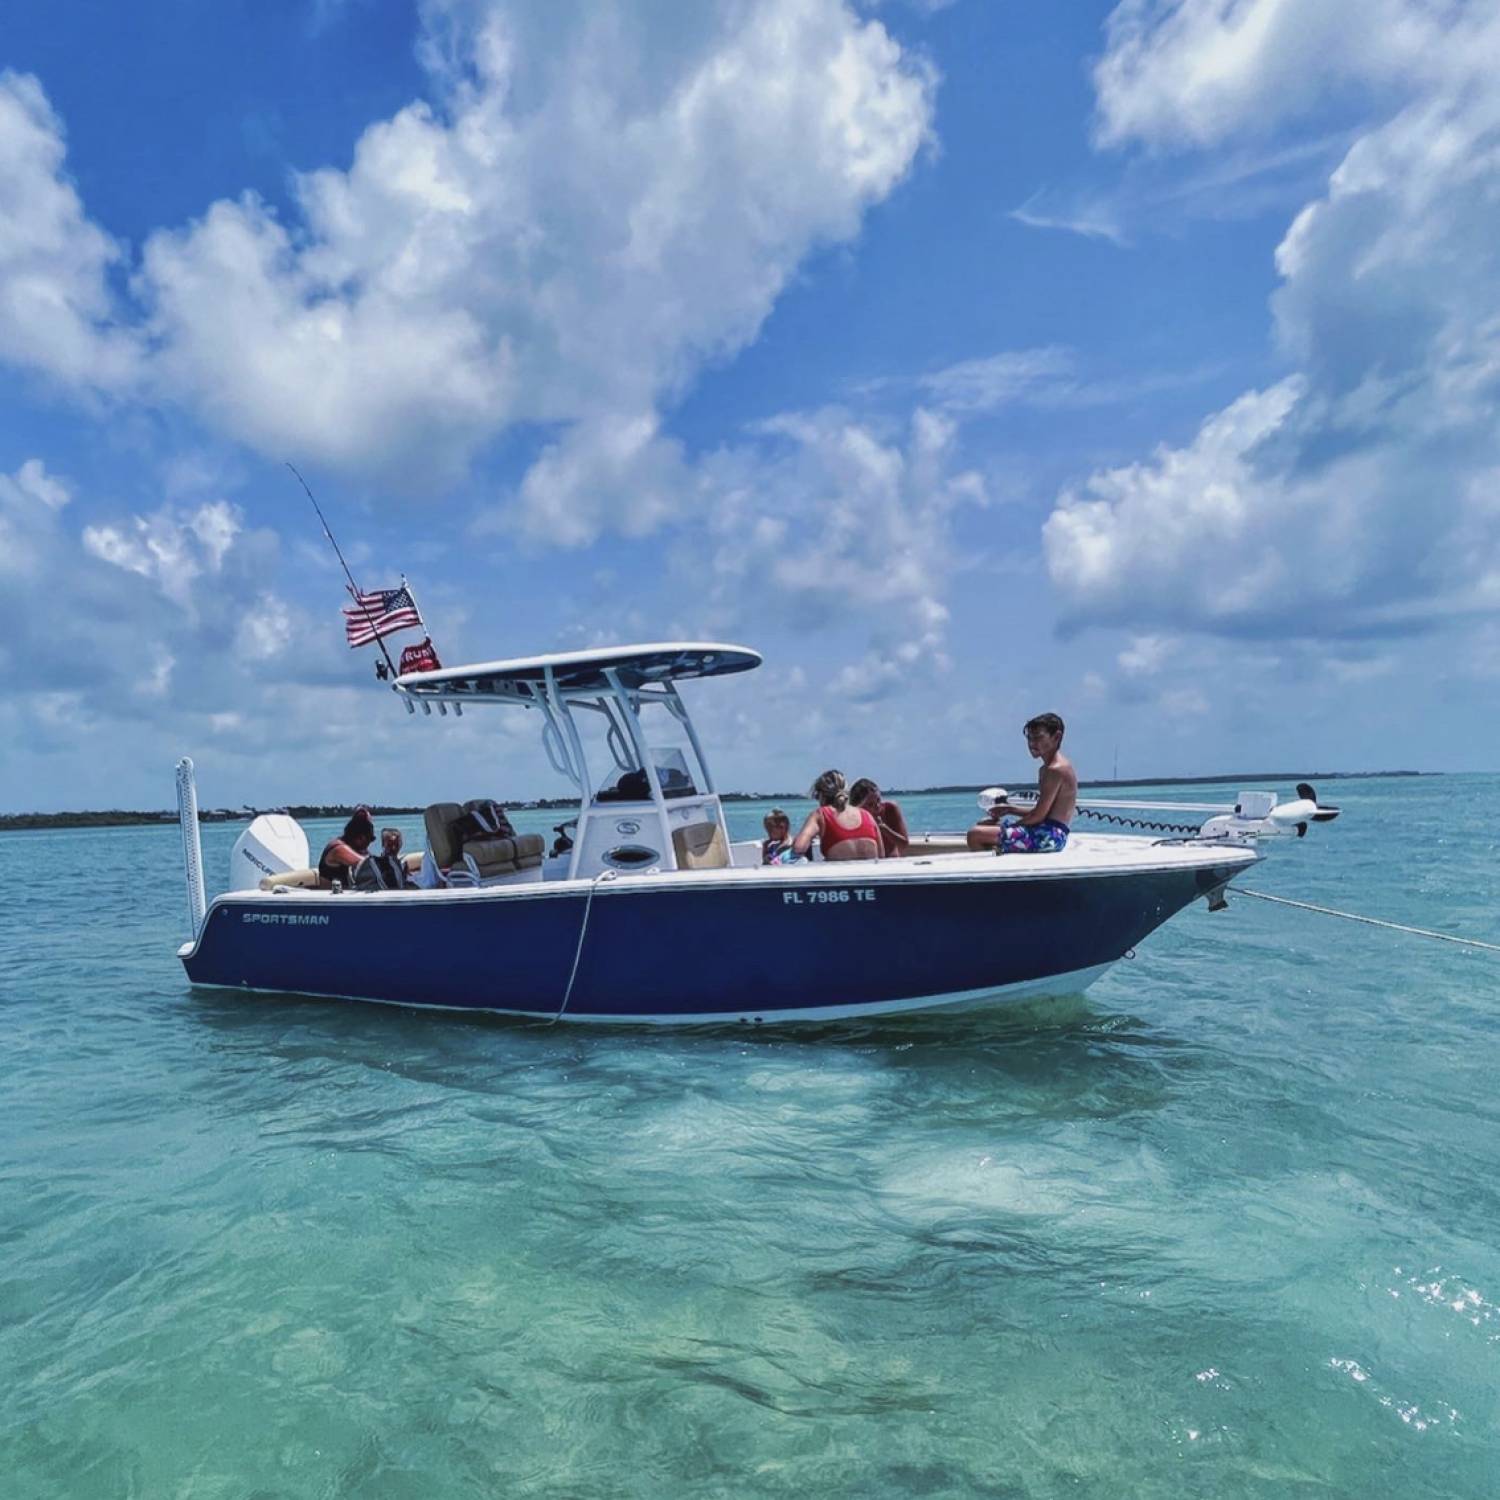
point(192, 846)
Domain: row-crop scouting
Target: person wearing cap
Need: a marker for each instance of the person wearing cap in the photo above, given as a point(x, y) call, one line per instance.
point(341, 855)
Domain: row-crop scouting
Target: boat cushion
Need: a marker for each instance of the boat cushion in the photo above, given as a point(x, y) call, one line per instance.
point(494, 859)
point(439, 820)
point(487, 857)
point(700, 846)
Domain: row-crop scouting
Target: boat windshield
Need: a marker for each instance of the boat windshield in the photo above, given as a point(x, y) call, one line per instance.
point(614, 748)
point(670, 746)
point(672, 773)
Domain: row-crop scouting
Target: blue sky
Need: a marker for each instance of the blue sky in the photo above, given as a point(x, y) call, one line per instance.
point(1136, 361)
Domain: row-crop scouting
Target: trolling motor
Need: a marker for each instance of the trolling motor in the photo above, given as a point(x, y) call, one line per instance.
point(1258, 815)
point(1255, 815)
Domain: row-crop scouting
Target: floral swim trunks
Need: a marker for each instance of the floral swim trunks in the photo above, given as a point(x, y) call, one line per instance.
point(1047, 837)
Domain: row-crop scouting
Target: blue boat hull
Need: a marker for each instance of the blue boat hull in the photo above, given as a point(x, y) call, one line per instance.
point(755, 951)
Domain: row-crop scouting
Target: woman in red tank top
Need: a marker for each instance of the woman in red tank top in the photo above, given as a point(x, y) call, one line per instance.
point(844, 832)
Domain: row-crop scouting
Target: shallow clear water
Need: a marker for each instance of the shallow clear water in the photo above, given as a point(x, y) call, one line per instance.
point(1227, 1226)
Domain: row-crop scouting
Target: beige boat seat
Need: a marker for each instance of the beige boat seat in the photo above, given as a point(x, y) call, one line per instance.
point(700, 846)
point(479, 861)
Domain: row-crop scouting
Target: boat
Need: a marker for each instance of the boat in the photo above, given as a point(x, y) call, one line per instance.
point(646, 911)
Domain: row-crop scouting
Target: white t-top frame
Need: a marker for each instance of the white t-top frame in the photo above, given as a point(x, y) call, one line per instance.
point(617, 684)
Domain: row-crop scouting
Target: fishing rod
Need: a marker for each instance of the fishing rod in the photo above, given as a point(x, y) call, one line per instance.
point(353, 587)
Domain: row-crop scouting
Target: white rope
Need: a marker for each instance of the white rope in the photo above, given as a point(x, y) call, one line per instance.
point(583, 928)
point(1349, 916)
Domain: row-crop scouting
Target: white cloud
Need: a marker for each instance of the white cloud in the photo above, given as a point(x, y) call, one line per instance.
point(266, 629)
point(1146, 655)
point(1050, 377)
point(1093, 215)
point(1153, 195)
point(830, 523)
point(129, 637)
point(829, 520)
point(170, 548)
point(29, 501)
point(1361, 494)
point(596, 200)
point(159, 677)
point(55, 304)
point(1177, 535)
point(615, 470)
point(599, 200)
point(979, 385)
point(33, 482)
point(1192, 72)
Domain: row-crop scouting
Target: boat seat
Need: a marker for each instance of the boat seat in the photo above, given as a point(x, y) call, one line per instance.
point(488, 860)
point(700, 846)
point(480, 861)
point(438, 821)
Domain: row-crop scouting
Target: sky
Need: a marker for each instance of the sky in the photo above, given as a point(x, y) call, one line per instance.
point(1137, 362)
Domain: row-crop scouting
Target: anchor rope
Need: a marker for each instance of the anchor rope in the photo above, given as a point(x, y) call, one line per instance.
point(583, 927)
point(1350, 916)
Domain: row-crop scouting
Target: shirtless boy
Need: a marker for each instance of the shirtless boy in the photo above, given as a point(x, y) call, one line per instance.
point(1043, 828)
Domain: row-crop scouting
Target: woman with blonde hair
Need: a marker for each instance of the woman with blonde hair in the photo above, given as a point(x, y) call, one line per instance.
point(844, 832)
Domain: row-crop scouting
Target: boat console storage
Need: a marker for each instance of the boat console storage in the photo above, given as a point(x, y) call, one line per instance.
point(615, 727)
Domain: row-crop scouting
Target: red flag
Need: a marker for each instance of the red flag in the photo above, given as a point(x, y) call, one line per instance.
point(421, 658)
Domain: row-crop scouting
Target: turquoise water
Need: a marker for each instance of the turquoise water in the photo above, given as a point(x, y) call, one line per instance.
point(1226, 1226)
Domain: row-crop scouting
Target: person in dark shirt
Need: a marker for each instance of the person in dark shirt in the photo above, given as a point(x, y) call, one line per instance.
point(341, 855)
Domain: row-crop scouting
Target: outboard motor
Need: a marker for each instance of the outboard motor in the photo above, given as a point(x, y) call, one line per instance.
point(273, 844)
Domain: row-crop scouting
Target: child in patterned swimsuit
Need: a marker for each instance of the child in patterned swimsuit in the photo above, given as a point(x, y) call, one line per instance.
point(776, 847)
point(1043, 827)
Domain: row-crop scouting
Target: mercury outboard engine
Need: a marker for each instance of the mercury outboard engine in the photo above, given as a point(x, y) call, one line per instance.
point(273, 844)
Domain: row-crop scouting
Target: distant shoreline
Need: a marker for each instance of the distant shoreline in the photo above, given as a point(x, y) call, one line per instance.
point(123, 818)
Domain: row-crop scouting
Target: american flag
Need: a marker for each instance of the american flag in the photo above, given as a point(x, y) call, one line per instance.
point(379, 614)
